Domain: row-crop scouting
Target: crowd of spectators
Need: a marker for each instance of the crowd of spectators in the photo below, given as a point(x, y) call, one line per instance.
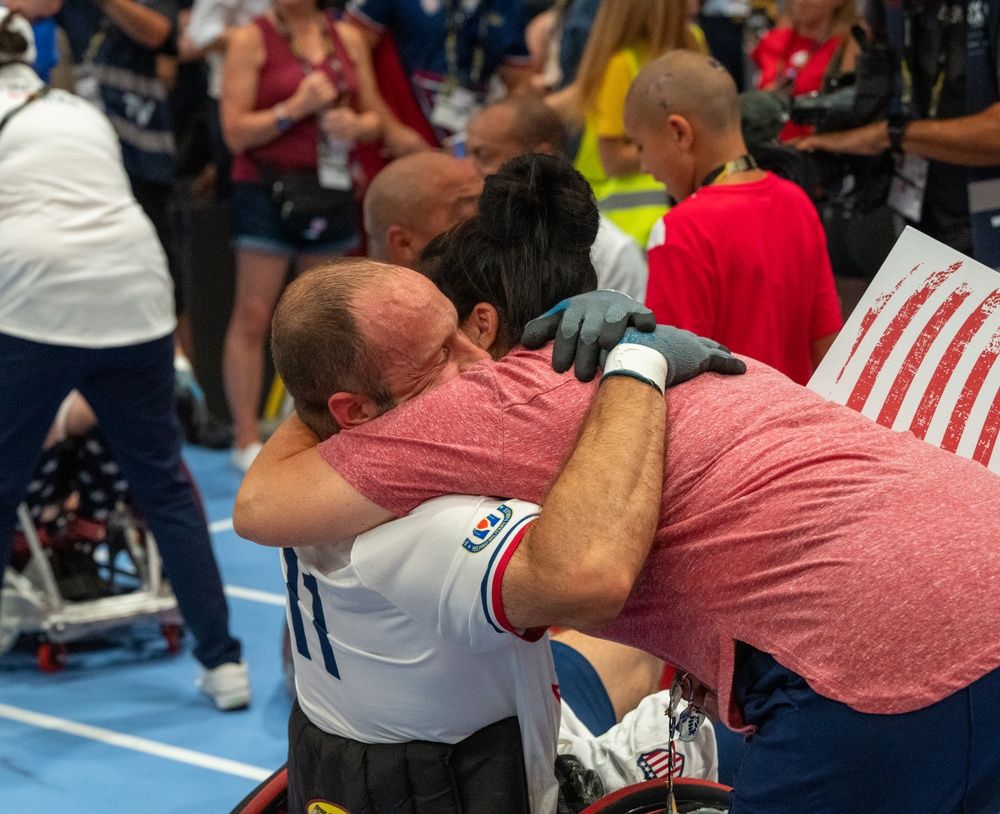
point(367, 128)
point(289, 109)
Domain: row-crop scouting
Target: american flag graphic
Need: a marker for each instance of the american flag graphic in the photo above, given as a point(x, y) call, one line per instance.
point(656, 764)
point(919, 352)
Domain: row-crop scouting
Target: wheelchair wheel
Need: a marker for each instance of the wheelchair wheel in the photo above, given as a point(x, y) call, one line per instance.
point(692, 796)
point(270, 797)
point(51, 657)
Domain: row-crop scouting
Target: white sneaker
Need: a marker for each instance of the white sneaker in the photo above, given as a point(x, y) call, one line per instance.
point(228, 685)
point(242, 457)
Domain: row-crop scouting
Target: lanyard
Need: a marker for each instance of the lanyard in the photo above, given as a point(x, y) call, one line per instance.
point(723, 171)
point(330, 55)
point(456, 19)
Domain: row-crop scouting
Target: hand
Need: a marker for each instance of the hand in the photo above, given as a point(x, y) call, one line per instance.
point(314, 92)
point(341, 123)
point(871, 139)
point(687, 354)
point(584, 325)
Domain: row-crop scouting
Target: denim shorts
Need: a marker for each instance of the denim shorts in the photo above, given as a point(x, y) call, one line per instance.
point(257, 226)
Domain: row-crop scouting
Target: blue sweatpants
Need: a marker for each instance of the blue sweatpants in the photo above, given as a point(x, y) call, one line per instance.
point(131, 389)
point(811, 754)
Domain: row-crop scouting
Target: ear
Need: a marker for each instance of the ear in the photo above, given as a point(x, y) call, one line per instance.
point(481, 325)
point(351, 409)
point(681, 131)
point(400, 244)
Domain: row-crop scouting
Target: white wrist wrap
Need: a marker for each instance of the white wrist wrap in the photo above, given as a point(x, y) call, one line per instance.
point(638, 361)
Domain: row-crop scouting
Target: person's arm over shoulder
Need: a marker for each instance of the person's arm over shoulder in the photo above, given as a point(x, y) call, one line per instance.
point(447, 441)
point(576, 565)
point(682, 285)
point(291, 497)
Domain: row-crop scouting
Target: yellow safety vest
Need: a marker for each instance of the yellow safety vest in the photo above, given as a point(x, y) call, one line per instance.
point(634, 202)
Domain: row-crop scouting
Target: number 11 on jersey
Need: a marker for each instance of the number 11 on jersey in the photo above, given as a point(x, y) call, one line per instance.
point(319, 619)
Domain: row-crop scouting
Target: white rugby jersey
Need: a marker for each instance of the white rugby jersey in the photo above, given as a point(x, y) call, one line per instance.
point(400, 635)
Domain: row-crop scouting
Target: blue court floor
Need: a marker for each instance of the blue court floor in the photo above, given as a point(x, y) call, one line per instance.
point(123, 729)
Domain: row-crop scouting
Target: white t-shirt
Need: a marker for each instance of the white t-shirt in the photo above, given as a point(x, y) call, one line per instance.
point(80, 263)
point(209, 20)
point(401, 635)
point(619, 261)
point(636, 749)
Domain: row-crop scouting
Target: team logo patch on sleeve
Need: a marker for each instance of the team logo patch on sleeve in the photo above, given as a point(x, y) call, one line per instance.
point(487, 529)
point(656, 764)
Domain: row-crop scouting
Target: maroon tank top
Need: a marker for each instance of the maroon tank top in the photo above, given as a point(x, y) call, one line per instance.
point(280, 75)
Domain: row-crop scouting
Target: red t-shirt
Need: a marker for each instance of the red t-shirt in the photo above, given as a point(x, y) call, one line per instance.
point(782, 55)
point(865, 560)
point(746, 264)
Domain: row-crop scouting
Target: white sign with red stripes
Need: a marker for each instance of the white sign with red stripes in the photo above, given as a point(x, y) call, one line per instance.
point(920, 351)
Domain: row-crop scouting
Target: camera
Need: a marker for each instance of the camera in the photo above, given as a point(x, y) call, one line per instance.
point(852, 100)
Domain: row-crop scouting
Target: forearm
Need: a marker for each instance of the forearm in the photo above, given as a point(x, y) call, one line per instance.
point(246, 130)
point(971, 140)
point(577, 570)
point(292, 497)
point(369, 126)
point(145, 26)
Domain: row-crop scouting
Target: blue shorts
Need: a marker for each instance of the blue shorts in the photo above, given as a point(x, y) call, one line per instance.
point(582, 689)
point(257, 226)
point(812, 754)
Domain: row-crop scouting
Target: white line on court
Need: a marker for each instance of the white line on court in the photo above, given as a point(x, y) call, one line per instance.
point(108, 736)
point(254, 595)
point(221, 525)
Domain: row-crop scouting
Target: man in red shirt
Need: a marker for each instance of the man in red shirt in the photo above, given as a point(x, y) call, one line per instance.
point(802, 553)
point(743, 258)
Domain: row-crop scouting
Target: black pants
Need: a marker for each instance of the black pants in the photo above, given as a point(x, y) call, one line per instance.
point(483, 774)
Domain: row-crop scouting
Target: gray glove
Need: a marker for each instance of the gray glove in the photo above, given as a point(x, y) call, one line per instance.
point(687, 354)
point(584, 325)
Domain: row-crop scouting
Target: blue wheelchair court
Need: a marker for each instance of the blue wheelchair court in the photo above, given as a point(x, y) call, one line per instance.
point(122, 728)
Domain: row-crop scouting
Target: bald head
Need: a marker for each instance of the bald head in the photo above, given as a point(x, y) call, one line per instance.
point(513, 127)
point(415, 199)
point(687, 84)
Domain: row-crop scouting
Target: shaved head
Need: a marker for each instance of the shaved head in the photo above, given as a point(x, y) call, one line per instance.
point(687, 84)
point(423, 194)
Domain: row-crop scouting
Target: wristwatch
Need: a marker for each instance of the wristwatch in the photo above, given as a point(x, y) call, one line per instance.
point(282, 119)
point(897, 132)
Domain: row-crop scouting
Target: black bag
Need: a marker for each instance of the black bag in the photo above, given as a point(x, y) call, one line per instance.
point(310, 211)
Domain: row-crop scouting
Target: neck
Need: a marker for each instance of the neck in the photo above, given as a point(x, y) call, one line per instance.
point(819, 32)
point(296, 15)
point(715, 155)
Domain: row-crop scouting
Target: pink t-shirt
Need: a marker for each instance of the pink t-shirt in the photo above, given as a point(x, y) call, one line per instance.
point(864, 560)
point(746, 264)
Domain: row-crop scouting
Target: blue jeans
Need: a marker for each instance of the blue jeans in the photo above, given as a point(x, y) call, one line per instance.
point(131, 389)
point(812, 754)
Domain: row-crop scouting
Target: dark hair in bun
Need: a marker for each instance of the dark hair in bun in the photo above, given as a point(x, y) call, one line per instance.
point(526, 249)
